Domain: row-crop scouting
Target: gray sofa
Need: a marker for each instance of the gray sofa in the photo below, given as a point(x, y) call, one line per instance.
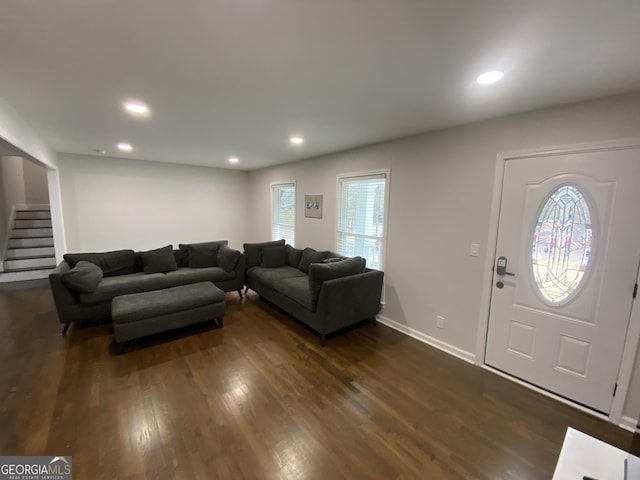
point(324, 290)
point(84, 284)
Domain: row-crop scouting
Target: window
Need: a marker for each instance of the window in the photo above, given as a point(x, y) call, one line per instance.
point(283, 213)
point(362, 216)
point(562, 245)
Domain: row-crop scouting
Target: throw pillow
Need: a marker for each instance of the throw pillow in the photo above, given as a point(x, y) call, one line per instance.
point(273, 257)
point(184, 248)
point(160, 260)
point(228, 258)
point(293, 256)
point(253, 252)
point(117, 262)
point(321, 272)
point(202, 256)
point(83, 278)
point(332, 260)
point(309, 256)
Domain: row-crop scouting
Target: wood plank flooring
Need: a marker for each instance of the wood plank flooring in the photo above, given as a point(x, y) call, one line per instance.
point(260, 399)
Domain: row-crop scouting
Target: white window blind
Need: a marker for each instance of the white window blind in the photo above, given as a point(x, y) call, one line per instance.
point(283, 215)
point(362, 217)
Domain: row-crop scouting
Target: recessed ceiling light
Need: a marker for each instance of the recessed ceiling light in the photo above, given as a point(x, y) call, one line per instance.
point(490, 77)
point(136, 107)
point(125, 147)
point(296, 140)
point(233, 160)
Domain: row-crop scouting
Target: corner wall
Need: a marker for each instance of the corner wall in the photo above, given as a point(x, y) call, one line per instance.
point(113, 203)
point(440, 203)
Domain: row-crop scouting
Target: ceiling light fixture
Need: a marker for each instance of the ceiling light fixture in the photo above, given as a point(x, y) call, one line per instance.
point(296, 140)
point(490, 77)
point(125, 147)
point(233, 160)
point(136, 107)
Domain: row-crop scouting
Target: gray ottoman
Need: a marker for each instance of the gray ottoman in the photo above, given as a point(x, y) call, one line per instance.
point(141, 314)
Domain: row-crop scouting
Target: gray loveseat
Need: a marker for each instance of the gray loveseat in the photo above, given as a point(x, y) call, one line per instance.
point(84, 284)
point(324, 290)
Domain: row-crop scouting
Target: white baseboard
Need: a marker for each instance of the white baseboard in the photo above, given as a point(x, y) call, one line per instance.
point(424, 338)
point(628, 423)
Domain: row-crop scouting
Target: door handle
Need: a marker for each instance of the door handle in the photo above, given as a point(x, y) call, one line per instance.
point(501, 267)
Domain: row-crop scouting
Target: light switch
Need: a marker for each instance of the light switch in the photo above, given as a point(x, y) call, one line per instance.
point(475, 250)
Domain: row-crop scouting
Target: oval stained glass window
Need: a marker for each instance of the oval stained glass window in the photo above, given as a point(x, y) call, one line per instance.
point(562, 244)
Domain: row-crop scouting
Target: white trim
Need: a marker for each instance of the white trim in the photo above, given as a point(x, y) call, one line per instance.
point(434, 342)
point(55, 206)
point(633, 332)
point(629, 424)
point(5, 244)
point(627, 363)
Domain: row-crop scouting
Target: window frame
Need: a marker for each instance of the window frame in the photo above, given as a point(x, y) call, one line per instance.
point(386, 173)
point(274, 185)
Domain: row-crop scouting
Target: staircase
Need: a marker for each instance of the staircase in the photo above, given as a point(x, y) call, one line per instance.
point(30, 254)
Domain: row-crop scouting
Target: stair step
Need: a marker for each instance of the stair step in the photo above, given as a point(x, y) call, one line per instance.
point(31, 242)
point(23, 275)
point(30, 263)
point(29, 252)
point(31, 232)
point(31, 223)
point(33, 214)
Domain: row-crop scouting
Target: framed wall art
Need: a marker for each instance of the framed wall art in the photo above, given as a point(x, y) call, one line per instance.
point(313, 206)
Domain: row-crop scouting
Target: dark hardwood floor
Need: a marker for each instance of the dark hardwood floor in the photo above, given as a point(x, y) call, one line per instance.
point(261, 399)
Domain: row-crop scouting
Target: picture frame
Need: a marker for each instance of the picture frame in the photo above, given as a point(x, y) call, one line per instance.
point(313, 206)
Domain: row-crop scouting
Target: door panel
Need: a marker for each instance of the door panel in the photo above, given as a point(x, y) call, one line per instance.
point(572, 348)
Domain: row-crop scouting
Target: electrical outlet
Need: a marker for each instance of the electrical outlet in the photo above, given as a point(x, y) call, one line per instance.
point(475, 250)
point(440, 321)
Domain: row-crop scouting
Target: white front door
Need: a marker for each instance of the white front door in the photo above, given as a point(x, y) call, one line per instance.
point(569, 232)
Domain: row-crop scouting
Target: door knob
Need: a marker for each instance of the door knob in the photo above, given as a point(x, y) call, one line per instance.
point(501, 267)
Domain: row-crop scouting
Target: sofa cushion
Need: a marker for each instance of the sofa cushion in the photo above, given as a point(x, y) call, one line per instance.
point(269, 276)
point(117, 262)
point(274, 256)
point(320, 272)
point(293, 256)
point(160, 260)
point(184, 276)
point(253, 251)
point(184, 248)
point(296, 288)
point(132, 283)
point(83, 278)
point(228, 258)
point(309, 256)
point(202, 256)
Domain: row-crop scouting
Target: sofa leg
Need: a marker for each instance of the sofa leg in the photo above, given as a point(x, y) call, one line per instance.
point(373, 320)
point(246, 289)
point(323, 340)
point(120, 348)
point(219, 320)
point(65, 327)
point(240, 293)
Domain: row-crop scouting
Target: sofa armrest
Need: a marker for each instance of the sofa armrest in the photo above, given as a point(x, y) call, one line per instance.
point(64, 298)
point(347, 300)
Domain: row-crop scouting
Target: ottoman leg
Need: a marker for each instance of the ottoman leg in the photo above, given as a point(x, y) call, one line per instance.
point(219, 320)
point(120, 348)
point(240, 293)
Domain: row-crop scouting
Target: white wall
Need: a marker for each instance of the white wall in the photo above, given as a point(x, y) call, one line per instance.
point(18, 133)
point(36, 190)
point(12, 182)
point(440, 202)
point(113, 203)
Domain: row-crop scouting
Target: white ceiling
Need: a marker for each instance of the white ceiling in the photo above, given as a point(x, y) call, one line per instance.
point(239, 77)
